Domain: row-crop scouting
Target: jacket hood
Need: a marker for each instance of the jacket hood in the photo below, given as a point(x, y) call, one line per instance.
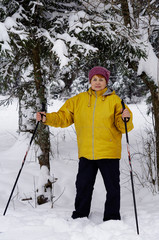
point(108, 92)
point(105, 92)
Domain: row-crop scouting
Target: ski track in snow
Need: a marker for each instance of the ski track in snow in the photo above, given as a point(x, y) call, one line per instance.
point(23, 221)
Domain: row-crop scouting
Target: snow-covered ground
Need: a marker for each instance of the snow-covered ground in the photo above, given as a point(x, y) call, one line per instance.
point(25, 220)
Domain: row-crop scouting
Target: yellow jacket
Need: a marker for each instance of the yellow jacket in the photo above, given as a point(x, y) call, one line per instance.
point(98, 123)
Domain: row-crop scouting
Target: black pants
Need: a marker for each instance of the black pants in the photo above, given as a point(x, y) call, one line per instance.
point(86, 176)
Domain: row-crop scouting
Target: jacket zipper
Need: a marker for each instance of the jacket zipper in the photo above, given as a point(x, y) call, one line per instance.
point(93, 126)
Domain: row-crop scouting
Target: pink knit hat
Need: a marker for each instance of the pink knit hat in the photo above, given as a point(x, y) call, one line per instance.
point(99, 71)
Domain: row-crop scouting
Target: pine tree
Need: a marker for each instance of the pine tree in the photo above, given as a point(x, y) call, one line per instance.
point(33, 49)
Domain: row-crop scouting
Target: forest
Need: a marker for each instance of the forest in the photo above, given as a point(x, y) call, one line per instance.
point(47, 48)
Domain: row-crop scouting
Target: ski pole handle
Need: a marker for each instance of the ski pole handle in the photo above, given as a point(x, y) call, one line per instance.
point(43, 107)
point(123, 104)
point(126, 119)
point(126, 131)
point(43, 110)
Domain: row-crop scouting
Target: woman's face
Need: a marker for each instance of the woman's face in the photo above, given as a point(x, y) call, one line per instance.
point(98, 82)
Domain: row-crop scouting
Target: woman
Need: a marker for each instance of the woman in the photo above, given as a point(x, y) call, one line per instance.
point(98, 118)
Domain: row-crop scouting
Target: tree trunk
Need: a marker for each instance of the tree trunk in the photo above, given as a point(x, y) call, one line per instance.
point(43, 139)
point(125, 12)
point(155, 110)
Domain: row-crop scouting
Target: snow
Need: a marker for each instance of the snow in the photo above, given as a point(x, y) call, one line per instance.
point(74, 21)
point(61, 83)
point(61, 50)
point(150, 64)
point(27, 220)
point(4, 37)
point(9, 22)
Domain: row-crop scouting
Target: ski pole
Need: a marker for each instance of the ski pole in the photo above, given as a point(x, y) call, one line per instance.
point(131, 174)
point(43, 109)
